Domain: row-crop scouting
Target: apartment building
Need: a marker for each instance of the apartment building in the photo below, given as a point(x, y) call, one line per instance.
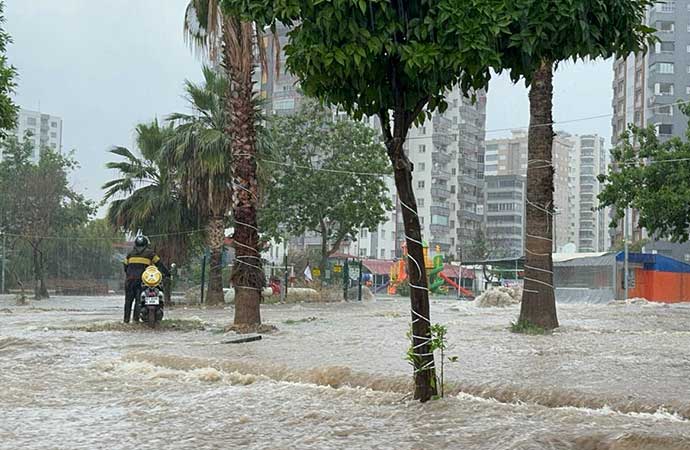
point(646, 90)
point(43, 130)
point(577, 160)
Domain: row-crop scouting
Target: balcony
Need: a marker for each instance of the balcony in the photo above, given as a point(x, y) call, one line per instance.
point(441, 139)
point(439, 231)
point(440, 192)
point(440, 174)
point(440, 208)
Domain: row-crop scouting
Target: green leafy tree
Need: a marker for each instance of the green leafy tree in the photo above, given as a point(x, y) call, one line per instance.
point(38, 202)
point(8, 110)
point(146, 195)
point(652, 176)
point(396, 60)
point(241, 47)
point(538, 36)
point(393, 60)
point(324, 183)
point(197, 150)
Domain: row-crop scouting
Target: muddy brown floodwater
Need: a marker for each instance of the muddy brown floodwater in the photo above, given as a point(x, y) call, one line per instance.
point(333, 377)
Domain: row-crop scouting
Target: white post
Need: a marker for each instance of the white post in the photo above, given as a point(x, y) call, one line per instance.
point(626, 231)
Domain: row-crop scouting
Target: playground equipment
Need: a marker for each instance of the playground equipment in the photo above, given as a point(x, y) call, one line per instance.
point(438, 281)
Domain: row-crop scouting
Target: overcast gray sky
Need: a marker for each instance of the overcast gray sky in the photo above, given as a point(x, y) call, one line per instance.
point(104, 66)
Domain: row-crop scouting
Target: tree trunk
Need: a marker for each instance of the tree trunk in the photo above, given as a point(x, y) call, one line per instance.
point(424, 371)
point(216, 236)
point(324, 252)
point(538, 301)
point(248, 277)
point(40, 290)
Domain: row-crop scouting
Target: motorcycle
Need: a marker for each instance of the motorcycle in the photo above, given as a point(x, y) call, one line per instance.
point(151, 297)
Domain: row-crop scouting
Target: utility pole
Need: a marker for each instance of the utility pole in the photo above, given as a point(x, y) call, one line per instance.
point(359, 293)
point(203, 278)
point(626, 231)
point(286, 277)
point(4, 249)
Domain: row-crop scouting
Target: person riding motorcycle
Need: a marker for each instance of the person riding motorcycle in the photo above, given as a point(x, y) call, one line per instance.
point(138, 259)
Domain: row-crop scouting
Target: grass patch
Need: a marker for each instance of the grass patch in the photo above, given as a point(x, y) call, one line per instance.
point(524, 327)
point(184, 325)
point(298, 321)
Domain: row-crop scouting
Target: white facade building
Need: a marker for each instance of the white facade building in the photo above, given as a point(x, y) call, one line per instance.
point(45, 130)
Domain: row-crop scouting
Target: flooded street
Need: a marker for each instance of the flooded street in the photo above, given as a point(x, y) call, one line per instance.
point(333, 377)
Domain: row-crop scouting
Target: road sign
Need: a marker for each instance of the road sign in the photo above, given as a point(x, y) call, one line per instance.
point(316, 272)
point(337, 268)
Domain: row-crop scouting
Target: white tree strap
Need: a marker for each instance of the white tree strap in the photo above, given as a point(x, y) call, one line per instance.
point(540, 208)
point(247, 225)
point(250, 256)
point(530, 291)
point(246, 246)
point(244, 189)
point(250, 265)
point(539, 282)
point(248, 287)
point(539, 237)
point(536, 254)
point(538, 269)
point(421, 317)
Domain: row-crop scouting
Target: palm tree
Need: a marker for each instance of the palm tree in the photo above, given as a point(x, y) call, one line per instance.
point(149, 194)
point(216, 34)
point(198, 151)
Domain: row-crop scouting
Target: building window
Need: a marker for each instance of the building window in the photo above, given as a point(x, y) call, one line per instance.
point(687, 90)
point(422, 166)
point(420, 203)
point(665, 67)
point(423, 130)
point(53, 124)
point(664, 129)
point(422, 149)
point(666, 6)
point(666, 110)
point(453, 171)
point(31, 121)
point(665, 47)
point(663, 88)
point(665, 26)
point(420, 184)
point(383, 253)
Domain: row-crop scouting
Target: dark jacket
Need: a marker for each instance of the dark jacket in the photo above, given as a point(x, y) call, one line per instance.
point(139, 259)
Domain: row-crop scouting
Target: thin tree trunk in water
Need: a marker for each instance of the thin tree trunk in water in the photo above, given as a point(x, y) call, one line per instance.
point(324, 253)
point(248, 277)
point(216, 236)
point(40, 290)
point(424, 371)
point(538, 300)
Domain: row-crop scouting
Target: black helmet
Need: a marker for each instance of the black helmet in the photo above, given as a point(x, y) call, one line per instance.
point(141, 241)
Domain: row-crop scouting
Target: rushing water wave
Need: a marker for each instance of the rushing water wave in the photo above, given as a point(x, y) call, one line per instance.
point(333, 377)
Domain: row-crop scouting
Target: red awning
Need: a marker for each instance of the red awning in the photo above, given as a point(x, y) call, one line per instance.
point(452, 272)
point(378, 266)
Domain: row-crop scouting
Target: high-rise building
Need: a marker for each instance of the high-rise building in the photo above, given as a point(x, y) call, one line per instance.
point(589, 225)
point(577, 160)
point(43, 130)
point(646, 89)
point(505, 215)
